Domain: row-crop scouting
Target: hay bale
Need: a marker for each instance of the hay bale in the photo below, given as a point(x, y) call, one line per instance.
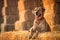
point(19, 35)
point(23, 35)
point(50, 36)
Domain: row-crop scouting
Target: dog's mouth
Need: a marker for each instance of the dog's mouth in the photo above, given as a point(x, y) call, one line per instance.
point(37, 14)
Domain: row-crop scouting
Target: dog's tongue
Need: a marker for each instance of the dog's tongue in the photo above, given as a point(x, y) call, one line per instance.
point(37, 16)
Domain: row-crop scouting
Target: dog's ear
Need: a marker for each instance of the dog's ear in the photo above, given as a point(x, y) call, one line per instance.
point(34, 12)
point(43, 9)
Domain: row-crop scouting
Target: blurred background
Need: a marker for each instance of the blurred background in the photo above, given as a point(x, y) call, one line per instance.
point(17, 14)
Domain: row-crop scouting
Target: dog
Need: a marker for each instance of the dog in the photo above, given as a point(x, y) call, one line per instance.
point(40, 24)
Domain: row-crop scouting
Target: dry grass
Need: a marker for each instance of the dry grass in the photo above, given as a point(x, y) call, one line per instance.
point(23, 35)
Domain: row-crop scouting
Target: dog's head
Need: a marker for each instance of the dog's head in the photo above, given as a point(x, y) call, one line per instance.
point(38, 11)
